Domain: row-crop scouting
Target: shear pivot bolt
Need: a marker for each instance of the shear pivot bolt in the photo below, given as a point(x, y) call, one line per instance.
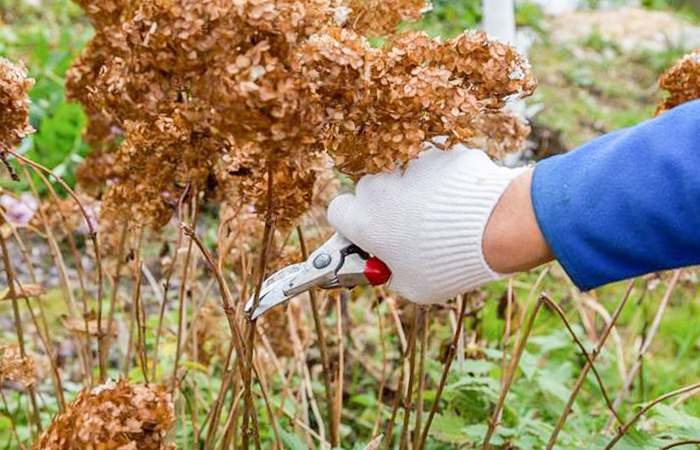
point(322, 260)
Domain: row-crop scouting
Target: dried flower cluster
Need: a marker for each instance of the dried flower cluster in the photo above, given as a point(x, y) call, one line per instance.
point(15, 367)
point(110, 417)
point(211, 334)
point(499, 133)
point(14, 103)
point(219, 95)
point(379, 17)
point(682, 82)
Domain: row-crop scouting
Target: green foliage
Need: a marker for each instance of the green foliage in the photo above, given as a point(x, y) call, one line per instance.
point(47, 41)
point(530, 15)
point(584, 96)
point(449, 18)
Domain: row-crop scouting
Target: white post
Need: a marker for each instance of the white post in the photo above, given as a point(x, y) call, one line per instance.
point(499, 23)
point(499, 20)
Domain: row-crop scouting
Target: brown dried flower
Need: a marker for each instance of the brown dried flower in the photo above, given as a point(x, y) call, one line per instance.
point(112, 416)
point(14, 102)
point(218, 96)
point(682, 82)
point(211, 334)
point(500, 133)
point(379, 17)
point(15, 367)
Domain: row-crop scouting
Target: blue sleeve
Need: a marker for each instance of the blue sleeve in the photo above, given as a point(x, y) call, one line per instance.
point(627, 203)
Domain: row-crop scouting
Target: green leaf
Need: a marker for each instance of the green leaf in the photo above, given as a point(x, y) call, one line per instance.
point(528, 364)
point(451, 429)
point(551, 381)
point(679, 424)
point(555, 341)
point(195, 365)
point(638, 440)
point(479, 366)
point(292, 441)
point(668, 416)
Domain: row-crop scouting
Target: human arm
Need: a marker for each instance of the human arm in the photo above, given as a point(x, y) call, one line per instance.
point(622, 205)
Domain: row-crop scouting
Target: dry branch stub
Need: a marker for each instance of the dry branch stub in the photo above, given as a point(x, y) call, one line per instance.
point(210, 94)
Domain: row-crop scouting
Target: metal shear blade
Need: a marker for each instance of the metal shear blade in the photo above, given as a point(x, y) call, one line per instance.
point(272, 290)
point(337, 263)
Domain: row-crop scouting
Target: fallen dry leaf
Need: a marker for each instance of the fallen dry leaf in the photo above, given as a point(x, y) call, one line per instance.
point(21, 291)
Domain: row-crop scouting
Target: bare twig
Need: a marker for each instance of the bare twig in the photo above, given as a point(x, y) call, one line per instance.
point(339, 381)
point(250, 342)
point(590, 359)
point(92, 232)
point(443, 380)
point(105, 340)
point(645, 346)
point(421, 378)
point(680, 443)
point(417, 312)
point(18, 325)
point(625, 428)
point(181, 301)
point(382, 383)
point(166, 288)
point(321, 345)
point(228, 305)
point(510, 376)
point(46, 336)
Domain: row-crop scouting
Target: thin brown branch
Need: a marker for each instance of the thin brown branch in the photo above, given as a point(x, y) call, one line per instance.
point(646, 345)
point(421, 378)
point(395, 406)
point(45, 337)
point(382, 383)
point(417, 312)
point(92, 232)
point(625, 428)
point(589, 365)
point(248, 405)
point(321, 345)
point(509, 377)
point(182, 311)
point(339, 381)
point(104, 340)
point(445, 372)
point(680, 443)
point(164, 300)
point(18, 325)
point(228, 304)
point(84, 354)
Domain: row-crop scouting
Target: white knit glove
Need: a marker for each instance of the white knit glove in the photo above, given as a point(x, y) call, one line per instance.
point(427, 224)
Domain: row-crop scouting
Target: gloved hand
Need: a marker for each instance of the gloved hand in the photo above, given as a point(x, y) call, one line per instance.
point(427, 224)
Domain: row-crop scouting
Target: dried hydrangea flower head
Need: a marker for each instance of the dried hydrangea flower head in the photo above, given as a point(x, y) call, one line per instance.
point(379, 17)
point(112, 416)
point(682, 82)
point(217, 96)
point(14, 103)
point(500, 133)
point(15, 367)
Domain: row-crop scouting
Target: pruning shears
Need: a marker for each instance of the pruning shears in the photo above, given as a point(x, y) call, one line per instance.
point(338, 263)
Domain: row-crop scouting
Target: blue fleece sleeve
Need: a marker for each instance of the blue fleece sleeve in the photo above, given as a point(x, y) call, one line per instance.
point(627, 203)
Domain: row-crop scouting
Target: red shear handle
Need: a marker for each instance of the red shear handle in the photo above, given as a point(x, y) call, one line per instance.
point(376, 272)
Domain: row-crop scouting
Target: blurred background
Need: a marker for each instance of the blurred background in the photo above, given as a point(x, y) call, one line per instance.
point(598, 63)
